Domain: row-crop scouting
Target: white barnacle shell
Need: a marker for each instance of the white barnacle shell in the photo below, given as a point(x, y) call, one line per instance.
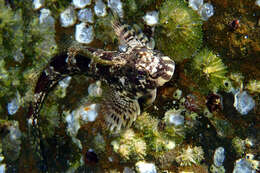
point(219, 156)
point(144, 167)
point(195, 4)
point(116, 6)
point(84, 33)
point(37, 4)
point(81, 3)
point(86, 15)
point(243, 102)
point(68, 17)
point(151, 18)
point(206, 11)
point(100, 8)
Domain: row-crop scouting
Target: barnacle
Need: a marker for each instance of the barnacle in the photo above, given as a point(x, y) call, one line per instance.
point(129, 146)
point(210, 66)
point(148, 125)
point(190, 155)
point(227, 85)
point(177, 94)
point(179, 34)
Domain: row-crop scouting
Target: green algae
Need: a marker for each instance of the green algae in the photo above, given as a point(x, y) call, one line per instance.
point(24, 43)
point(179, 34)
point(56, 6)
point(104, 31)
point(145, 141)
point(238, 145)
point(210, 67)
point(223, 127)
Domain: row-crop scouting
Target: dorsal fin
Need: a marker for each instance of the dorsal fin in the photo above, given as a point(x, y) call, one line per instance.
point(126, 34)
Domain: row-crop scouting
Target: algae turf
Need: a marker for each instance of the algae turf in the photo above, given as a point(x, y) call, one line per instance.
point(25, 46)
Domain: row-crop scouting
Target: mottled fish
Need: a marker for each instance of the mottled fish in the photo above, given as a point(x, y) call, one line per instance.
point(132, 76)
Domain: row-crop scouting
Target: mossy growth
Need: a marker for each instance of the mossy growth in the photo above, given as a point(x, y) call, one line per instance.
point(145, 140)
point(136, 9)
point(212, 71)
point(11, 33)
point(175, 133)
point(171, 131)
point(131, 7)
point(104, 31)
point(239, 146)
point(57, 6)
point(179, 34)
point(51, 118)
point(237, 78)
point(99, 143)
point(157, 141)
point(25, 45)
point(147, 126)
point(223, 127)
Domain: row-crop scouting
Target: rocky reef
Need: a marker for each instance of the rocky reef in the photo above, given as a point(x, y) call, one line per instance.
point(205, 119)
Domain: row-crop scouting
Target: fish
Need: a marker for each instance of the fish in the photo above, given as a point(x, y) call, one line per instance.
point(131, 77)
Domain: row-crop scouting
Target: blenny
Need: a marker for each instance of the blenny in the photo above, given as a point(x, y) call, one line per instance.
point(133, 76)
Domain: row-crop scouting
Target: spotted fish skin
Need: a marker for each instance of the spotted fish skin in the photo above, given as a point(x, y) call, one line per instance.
point(131, 76)
point(136, 73)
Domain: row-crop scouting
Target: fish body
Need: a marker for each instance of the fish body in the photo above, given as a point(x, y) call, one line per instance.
point(131, 76)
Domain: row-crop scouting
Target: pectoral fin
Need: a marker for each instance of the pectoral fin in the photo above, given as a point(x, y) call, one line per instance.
point(119, 110)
